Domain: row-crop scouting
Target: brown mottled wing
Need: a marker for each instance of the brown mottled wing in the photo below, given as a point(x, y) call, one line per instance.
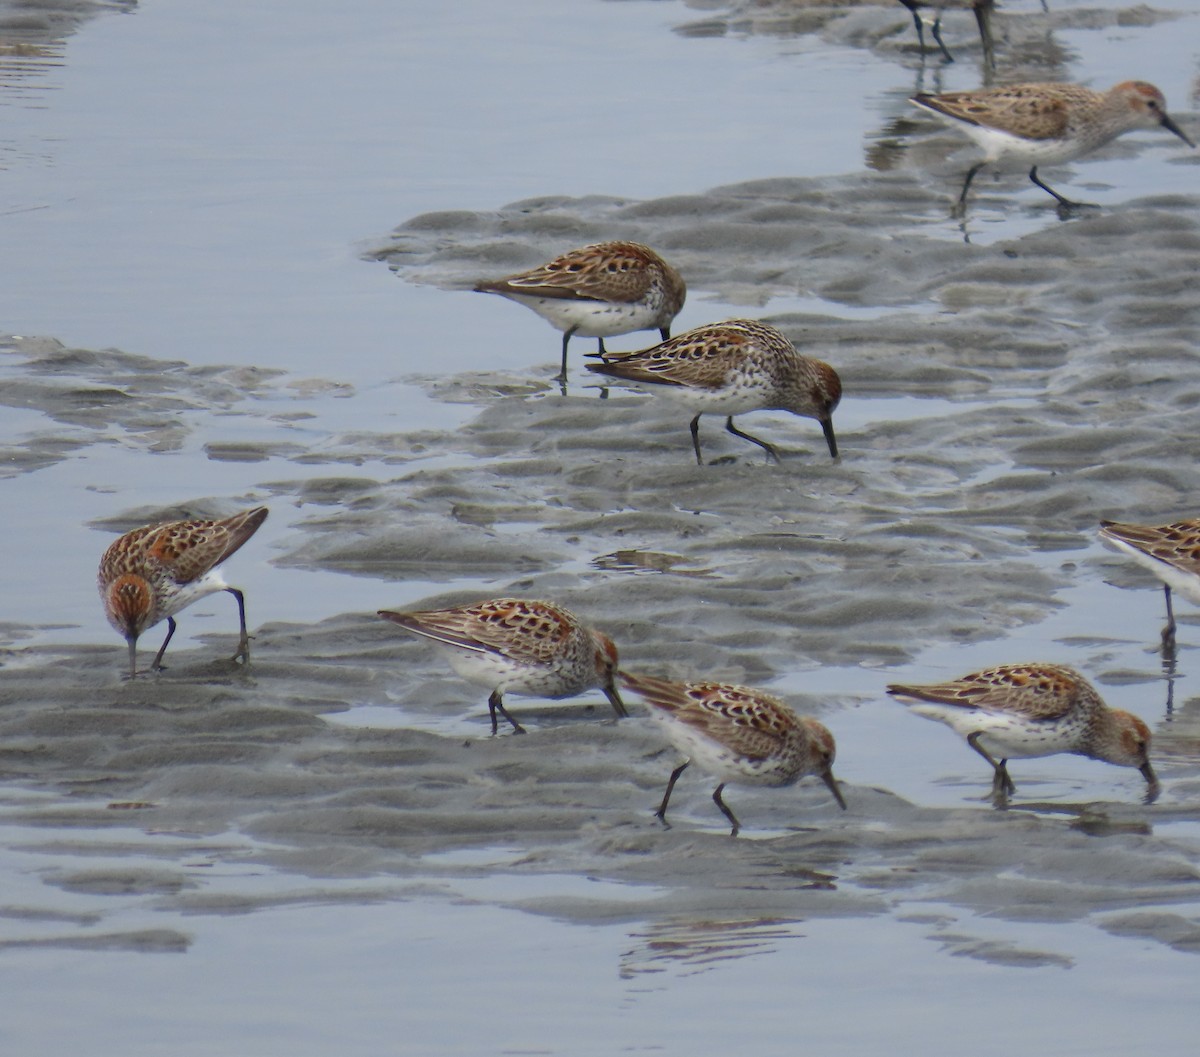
point(185, 549)
point(698, 359)
point(1024, 110)
point(191, 548)
point(1177, 544)
point(1036, 691)
point(758, 722)
point(526, 631)
point(605, 272)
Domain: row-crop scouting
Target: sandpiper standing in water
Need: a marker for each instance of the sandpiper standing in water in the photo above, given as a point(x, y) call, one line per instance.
point(1171, 552)
point(728, 369)
point(151, 573)
point(1018, 711)
point(737, 734)
point(598, 291)
point(1044, 124)
point(514, 645)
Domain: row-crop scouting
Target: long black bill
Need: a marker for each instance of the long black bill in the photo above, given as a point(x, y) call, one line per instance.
point(830, 439)
point(831, 782)
point(1170, 126)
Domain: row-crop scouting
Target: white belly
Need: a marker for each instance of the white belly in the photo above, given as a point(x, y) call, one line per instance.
point(591, 319)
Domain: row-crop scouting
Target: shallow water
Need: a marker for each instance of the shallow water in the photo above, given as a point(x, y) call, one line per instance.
point(238, 235)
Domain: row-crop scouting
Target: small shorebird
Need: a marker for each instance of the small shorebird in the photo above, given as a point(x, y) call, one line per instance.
point(728, 369)
point(737, 734)
point(152, 573)
point(512, 645)
point(1018, 711)
point(598, 291)
point(1171, 552)
point(983, 18)
point(1043, 124)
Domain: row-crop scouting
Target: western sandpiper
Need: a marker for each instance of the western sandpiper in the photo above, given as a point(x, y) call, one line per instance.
point(731, 368)
point(152, 573)
point(738, 735)
point(1171, 552)
point(983, 19)
point(598, 291)
point(1043, 124)
point(512, 645)
point(1017, 711)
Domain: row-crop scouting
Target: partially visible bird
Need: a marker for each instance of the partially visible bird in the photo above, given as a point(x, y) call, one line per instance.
point(1171, 552)
point(983, 18)
point(151, 573)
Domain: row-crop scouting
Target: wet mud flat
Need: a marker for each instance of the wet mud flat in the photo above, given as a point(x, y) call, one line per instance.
point(206, 765)
point(999, 401)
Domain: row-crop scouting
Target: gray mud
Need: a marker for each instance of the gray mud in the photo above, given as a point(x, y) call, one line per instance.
point(999, 401)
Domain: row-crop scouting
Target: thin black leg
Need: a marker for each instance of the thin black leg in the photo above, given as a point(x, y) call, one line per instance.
point(983, 17)
point(664, 332)
point(1168, 633)
point(936, 29)
point(243, 650)
point(496, 705)
point(962, 197)
point(1066, 203)
point(768, 448)
point(725, 810)
point(661, 813)
point(695, 428)
point(562, 374)
point(157, 665)
point(1002, 785)
point(920, 26)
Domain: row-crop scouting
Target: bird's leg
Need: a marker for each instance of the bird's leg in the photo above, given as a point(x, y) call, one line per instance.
point(695, 428)
point(1002, 785)
point(1065, 204)
point(725, 810)
point(496, 705)
point(768, 448)
point(243, 650)
point(562, 374)
point(661, 813)
point(983, 17)
point(132, 656)
point(1168, 633)
point(960, 206)
point(157, 665)
point(936, 30)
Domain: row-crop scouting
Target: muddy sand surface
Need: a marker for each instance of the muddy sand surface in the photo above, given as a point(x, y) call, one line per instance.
point(999, 400)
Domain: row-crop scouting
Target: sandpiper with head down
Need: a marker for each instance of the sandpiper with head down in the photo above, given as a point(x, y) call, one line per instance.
point(514, 645)
point(728, 369)
point(1044, 124)
point(737, 734)
point(1019, 711)
point(151, 573)
point(598, 291)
